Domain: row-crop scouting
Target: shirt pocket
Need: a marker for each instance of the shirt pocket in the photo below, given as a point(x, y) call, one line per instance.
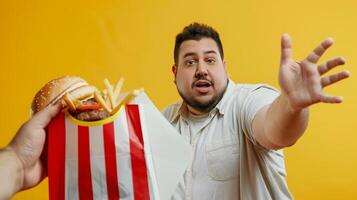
point(223, 160)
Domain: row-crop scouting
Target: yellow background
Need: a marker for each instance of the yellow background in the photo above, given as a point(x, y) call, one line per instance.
point(40, 40)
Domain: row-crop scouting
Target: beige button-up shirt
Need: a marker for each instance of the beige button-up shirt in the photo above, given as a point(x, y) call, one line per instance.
point(227, 162)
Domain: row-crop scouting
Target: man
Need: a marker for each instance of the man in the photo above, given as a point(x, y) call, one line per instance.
point(237, 131)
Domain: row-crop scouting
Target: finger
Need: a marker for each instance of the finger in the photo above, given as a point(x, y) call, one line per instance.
point(316, 54)
point(326, 81)
point(330, 64)
point(286, 51)
point(331, 99)
point(43, 117)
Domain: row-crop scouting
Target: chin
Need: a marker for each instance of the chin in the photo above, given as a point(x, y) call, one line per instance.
point(203, 100)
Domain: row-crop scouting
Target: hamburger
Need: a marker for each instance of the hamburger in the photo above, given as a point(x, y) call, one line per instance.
point(83, 101)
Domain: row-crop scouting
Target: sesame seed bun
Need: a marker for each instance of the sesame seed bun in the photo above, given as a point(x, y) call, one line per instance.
point(53, 91)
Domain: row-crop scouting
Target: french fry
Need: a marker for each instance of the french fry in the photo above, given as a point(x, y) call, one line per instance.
point(117, 90)
point(101, 101)
point(138, 91)
point(110, 93)
point(69, 102)
point(121, 98)
point(125, 99)
point(106, 96)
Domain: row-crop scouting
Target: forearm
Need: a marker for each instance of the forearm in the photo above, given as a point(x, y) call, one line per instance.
point(11, 173)
point(284, 124)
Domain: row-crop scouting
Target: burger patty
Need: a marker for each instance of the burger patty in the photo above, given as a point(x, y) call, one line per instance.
point(91, 115)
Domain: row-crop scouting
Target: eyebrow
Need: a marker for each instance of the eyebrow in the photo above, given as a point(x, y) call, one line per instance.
point(189, 54)
point(211, 51)
point(193, 53)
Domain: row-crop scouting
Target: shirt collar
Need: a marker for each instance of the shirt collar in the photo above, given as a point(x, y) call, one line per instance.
point(220, 107)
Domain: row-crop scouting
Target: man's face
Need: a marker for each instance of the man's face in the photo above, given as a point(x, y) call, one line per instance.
point(200, 74)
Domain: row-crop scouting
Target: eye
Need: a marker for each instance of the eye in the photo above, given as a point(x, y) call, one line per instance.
point(190, 62)
point(210, 60)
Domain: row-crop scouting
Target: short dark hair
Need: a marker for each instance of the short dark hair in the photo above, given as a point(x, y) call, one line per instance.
point(197, 31)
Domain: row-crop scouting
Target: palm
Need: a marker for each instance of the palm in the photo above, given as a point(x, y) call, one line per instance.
point(302, 81)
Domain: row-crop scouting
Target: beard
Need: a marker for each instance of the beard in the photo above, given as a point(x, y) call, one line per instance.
point(203, 106)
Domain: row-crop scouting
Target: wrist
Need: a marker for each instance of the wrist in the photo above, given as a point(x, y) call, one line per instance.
point(11, 171)
point(292, 106)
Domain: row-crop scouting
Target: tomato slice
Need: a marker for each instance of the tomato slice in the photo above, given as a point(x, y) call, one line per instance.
point(93, 106)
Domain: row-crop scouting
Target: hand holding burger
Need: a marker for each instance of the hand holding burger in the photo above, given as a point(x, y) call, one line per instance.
point(20, 164)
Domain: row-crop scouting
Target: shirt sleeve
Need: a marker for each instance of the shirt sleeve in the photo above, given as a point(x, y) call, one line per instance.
point(256, 97)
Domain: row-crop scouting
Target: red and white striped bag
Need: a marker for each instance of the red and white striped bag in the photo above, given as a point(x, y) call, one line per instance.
point(107, 159)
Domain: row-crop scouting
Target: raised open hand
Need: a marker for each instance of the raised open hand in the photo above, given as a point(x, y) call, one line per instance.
point(302, 82)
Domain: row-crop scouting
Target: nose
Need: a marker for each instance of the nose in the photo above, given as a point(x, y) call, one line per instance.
point(201, 70)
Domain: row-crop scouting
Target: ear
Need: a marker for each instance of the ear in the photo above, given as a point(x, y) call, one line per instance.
point(174, 71)
point(225, 68)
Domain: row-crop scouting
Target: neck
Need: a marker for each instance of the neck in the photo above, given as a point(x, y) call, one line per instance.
point(196, 112)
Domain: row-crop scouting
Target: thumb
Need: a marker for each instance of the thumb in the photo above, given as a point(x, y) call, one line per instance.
point(286, 51)
point(43, 117)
